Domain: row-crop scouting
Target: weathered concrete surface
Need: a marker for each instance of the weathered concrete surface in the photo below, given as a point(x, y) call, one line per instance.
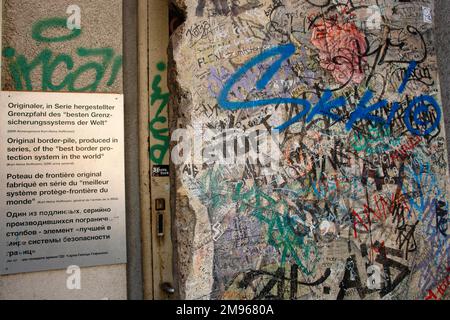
point(101, 23)
point(443, 54)
point(357, 208)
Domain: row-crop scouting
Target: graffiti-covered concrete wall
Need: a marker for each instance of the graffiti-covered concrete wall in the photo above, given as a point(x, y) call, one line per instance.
point(309, 150)
point(41, 54)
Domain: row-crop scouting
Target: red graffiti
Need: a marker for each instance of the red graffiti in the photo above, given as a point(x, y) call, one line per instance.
point(440, 290)
point(384, 208)
point(341, 48)
point(403, 151)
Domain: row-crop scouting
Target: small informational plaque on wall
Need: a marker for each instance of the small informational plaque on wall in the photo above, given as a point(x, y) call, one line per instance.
point(62, 192)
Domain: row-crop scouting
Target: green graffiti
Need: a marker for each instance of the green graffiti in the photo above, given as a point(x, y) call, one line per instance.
point(159, 151)
point(21, 68)
point(274, 212)
point(213, 189)
point(43, 25)
point(47, 75)
point(276, 215)
point(373, 142)
point(117, 65)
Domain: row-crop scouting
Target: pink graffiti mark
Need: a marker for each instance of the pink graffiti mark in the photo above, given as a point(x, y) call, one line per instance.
point(341, 49)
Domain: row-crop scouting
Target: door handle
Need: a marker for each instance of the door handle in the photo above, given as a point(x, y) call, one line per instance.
point(167, 288)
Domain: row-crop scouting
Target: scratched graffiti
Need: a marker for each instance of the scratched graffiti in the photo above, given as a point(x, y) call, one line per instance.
point(43, 71)
point(358, 208)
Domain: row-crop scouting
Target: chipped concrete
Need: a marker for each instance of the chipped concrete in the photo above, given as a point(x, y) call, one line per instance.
point(345, 215)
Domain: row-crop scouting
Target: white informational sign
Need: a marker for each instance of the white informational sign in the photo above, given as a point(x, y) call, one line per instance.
point(62, 190)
